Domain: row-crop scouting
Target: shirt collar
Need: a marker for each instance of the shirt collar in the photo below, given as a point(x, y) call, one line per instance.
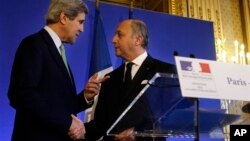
point(139, 60)
point(54, 37)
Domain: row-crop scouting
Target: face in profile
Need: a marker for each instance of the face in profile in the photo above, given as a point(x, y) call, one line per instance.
point(123, 40)
point(73, 28)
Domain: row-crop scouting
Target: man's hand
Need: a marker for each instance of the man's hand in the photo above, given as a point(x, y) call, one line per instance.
point(93, 86)
point(77, 129)
point(126, 135)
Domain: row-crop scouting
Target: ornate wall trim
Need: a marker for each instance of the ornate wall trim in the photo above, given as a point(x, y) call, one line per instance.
point(246, 22)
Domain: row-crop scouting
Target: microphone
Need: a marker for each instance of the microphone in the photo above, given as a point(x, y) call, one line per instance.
point(176, 53)
point(192, 55)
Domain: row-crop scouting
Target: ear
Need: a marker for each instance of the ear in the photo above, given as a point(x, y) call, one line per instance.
point(63, 18)
point(138, 40)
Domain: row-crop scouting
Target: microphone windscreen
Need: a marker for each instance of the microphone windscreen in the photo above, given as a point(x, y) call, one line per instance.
point(176, 53)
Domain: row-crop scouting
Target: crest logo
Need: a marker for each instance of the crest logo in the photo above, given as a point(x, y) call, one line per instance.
point(195, 67)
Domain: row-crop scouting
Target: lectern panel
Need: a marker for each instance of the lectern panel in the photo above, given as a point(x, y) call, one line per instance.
point(159, 110)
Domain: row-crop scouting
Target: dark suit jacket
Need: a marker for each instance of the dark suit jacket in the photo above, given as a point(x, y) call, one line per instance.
point(42, 92)
point(113, 99)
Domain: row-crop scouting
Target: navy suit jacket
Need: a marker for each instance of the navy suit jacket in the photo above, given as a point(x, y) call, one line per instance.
point(113, 99)
point(42, 92)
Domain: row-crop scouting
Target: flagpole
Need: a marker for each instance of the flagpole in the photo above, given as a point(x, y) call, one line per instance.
point(131, 7)
point(97, 3)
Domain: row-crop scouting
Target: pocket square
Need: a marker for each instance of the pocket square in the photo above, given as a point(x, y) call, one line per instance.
point(144, 82)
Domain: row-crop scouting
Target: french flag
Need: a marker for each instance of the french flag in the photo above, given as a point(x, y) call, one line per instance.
point(100, 58)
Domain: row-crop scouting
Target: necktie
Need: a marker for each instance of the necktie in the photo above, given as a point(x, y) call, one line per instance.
point(128, 76)
point(64, 58)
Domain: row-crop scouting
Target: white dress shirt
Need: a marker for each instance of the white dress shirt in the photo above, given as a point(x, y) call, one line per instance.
point(54, 37)
point(137, 63)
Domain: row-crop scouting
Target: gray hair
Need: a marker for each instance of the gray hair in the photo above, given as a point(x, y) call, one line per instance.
point(71, 8)
point(140, 28)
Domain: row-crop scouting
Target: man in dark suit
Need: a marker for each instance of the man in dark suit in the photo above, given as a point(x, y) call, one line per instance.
point(42, 88)
point(130, 42)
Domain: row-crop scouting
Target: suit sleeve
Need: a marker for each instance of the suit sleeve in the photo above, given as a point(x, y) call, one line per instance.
point(97, 127)
point(82, 102)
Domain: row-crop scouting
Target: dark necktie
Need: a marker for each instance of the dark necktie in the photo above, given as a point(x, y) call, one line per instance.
point(128, 76)
point(126, 81)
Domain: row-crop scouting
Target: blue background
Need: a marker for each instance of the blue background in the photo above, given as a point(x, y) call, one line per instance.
point(167, 34)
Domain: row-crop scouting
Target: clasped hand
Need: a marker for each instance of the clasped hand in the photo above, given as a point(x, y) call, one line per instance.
point(126, 135)
point(77, 129)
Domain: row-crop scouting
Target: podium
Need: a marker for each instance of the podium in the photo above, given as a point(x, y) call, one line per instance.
point(160, 111)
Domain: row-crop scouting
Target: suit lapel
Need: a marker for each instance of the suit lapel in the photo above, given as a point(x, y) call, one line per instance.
point(56, 55)
point(136, 85)
point(143, 71)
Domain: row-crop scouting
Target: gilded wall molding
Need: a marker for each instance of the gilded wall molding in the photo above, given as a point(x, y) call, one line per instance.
point(225, 34)
point(246, 22)
point(208, 10)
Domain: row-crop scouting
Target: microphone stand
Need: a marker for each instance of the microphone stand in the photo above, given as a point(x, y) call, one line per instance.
point(196, 109)
point(196, 114)
point(196, 119)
